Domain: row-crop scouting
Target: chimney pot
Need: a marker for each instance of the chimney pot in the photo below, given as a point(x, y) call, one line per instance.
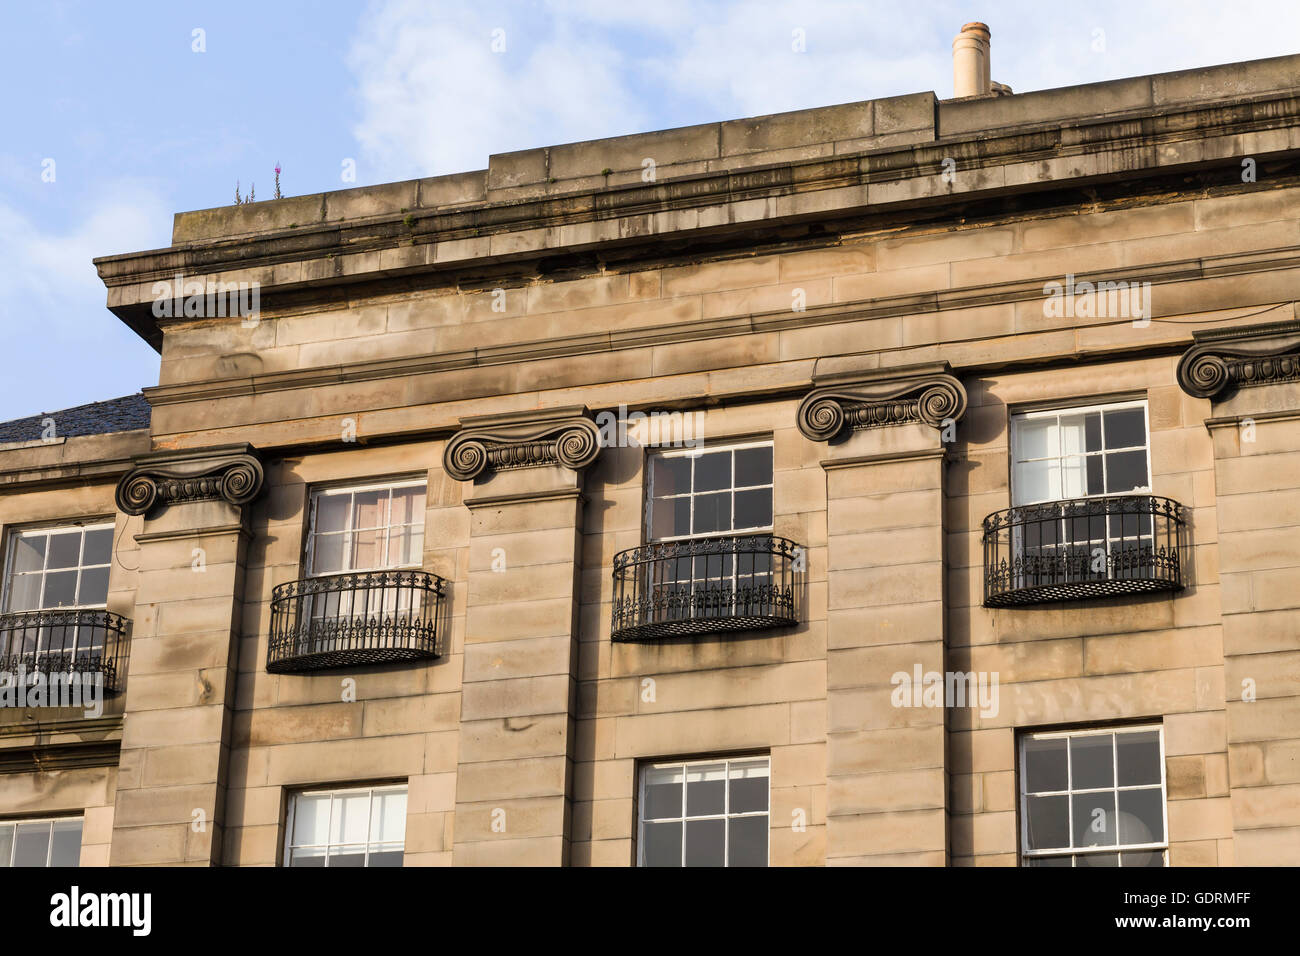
point(970, 61)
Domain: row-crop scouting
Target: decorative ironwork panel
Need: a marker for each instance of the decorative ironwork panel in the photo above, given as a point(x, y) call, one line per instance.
point(702, 585)
point(1087, 547)
point(59, 641)
point(354, 619)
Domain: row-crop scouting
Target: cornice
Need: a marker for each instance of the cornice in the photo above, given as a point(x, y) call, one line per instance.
point(563, 436)
point(230, 473)
point(848, 401)
point(1240, 357)
point(968, 297)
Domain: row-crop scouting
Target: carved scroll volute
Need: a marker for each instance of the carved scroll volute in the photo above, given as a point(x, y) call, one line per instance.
point(830, 410)
point(156, 481)
point(504, 443)
point(1226, 358)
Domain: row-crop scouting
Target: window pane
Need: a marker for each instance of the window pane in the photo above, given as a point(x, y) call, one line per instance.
point(66, 850)
point(65, 550)
point(94, 587)
point(662, 844)
point(1144, 858)
point(1126, 471)
point(754, 508)
point(349, 816)
point(1073, 477)
point(370, 509)
point(328, 553)
point(1091, 762)
point(754, 466)
point(712, 513)
point(1098, 859)
point(308, 856)
point(31, 844)
point(25, 592)
point(1037, 481)
point(747, 841)
point(670, 475)
point(1045, 765)
point(663, 793)
point(705, 842)
point(311, 819)
point(386, 856)
point(1141, 816)
point(713, 471)
point(388, 817)
point(60, 589)
point(1036, 438)
point(6, 843)
point(1139, 758)
point(1092, 431)
point(405, 548)
point(1049, 861)
point(407, 506)
point(748, 787)
point(1126, 428)
point(705, 789)
point(332, 512)
point(1094, 818)
point(367, 549)
point(353, 856)
point(29, 553)
point(99, 547)
point(1073, 441)
point(1096, 475)
point(670, 518)
point(1048, 822)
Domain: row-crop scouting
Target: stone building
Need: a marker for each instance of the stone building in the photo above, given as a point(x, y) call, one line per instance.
point(909, 481)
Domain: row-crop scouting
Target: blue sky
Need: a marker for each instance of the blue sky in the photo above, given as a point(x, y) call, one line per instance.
point(140, 125)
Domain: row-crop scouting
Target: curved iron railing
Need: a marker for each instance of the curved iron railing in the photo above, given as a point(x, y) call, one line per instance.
point(60, 641)
point(731, 583)
point(352, 619)
point(1082, 548)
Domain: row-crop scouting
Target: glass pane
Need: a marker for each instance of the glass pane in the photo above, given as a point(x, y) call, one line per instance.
point(6, 844)
point(405, 548)
point(1045, 765)
point(705, 842)
point(311, 819)
point(332, 512)
point(754, 508)
point(1096, 475)
point(407, 506)
point(65, 550)
point(349, 817)
point(1098, 859)
point(1126, 471)
point(25, 592)
point(60, 589)
point(388, 817)
point(309, 856)
point(705, 789)
point(1139, 758)
point(1091, 762)
point(1092, 431)
point(713, 513)
point(327, 557)
point(353, 856)
point(1144, 858)
point(367, 549)
point(1048, 822)
point(1073, 477)
point(29, 553)
point(1036, 438)
point(66, 849)
point(662, 844)
point(1073, 441)
point(754, 466)
point(370, 509)
point(1049, 861)
point(747, 841)
point(670, 518)
point(386, 856)
point(1126, 428)
point(713, 471)
point(1141, 816)
point(748, 787)
point(670, 476)
point(31, 844)
point(663, 793)
point(99, 547)
point(94, 587)
point(1094, 819)
point(1037, 481)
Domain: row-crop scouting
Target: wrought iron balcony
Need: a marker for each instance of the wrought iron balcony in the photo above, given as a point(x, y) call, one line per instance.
point(1084, 548)
point(680, 588)
point(347, 620)
point(62, 641)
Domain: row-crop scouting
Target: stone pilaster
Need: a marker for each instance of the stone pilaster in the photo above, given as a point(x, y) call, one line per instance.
point(886, 779)
point(181, 679)
point(1251, 377)
point(518, 697)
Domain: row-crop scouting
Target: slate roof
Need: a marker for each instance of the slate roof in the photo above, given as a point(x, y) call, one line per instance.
point(124, 414)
